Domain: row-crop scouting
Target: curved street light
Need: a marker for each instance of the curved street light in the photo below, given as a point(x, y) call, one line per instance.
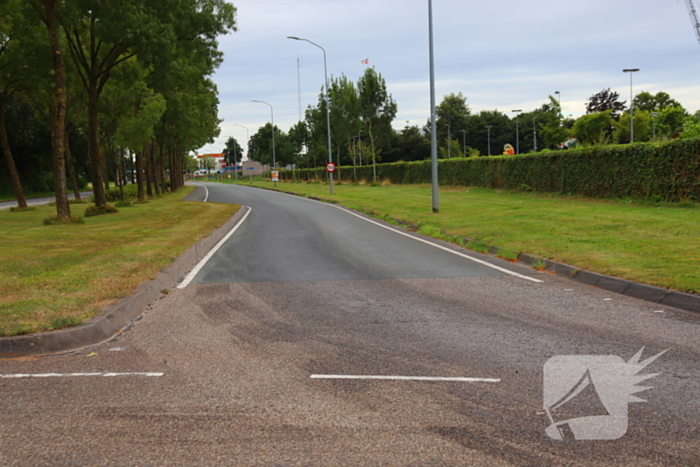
point(328, 104)
point(631, 71)
point(517, 131)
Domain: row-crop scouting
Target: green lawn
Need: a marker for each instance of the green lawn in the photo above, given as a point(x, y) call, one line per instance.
point(55, 275)
point(656, 244)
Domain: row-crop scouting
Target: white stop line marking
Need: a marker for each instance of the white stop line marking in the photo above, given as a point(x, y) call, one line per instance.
point(410, 378)
point(73, 375)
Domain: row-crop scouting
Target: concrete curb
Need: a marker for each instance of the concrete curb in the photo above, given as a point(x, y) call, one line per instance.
point(650, 293)
point(118, 315)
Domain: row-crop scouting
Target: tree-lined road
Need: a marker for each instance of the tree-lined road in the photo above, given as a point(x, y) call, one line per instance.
point(306, 289)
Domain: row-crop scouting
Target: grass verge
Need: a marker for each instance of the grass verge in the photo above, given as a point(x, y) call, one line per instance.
point(52, 276)
point(652, 243)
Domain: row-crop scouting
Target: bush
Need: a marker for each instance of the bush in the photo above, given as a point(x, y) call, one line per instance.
point(99, 210)
point(667, 171)
point(114, 194)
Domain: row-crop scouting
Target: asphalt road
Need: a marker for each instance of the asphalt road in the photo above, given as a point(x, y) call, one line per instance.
point(233, 369)
point(42, 200)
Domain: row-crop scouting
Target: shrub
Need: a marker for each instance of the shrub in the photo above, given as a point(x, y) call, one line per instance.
point(99, 210)
point(665, 171)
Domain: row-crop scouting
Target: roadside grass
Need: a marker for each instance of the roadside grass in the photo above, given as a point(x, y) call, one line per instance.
point(645, 241)
point(53, 276)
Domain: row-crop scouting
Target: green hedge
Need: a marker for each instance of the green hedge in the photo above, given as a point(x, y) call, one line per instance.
point(664, 171)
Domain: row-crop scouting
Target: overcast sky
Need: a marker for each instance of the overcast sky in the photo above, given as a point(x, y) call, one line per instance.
point(501, 55)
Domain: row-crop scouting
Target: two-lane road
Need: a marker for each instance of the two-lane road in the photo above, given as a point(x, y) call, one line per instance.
point(262, 359)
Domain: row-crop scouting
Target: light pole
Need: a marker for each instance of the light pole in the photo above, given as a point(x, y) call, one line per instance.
point(433, 126)
point(272, 117)
point(449, 141)
point(247, 142)
point(328, 104)
point(488, 137)
point(534, 130)
point(464, 143)
point(653, 124)
point(517, 132)
point(631, 71)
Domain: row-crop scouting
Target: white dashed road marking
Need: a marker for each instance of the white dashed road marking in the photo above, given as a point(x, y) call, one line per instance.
point(410, 378)
point(73, 375)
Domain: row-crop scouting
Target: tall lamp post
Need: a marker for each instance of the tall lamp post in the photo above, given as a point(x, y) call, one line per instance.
point(653, 124)
point(631, 71)
point(534, 130)
point(247, 142)
point(328, 104)
point(433, 125)
point(488, 137)
point(272, 117)
point(517, 132)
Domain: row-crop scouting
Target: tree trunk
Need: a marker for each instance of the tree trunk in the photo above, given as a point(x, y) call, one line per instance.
point(149, 171)
point(94, 148)
point(11, 168)
point(58, 114)
point(139, 176)
point(71, 167)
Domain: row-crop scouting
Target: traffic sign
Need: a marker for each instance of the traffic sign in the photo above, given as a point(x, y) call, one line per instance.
point(275, 176)
point(330, 167)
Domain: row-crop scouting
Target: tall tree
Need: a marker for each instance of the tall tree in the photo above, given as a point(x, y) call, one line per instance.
point(594, 128)
point(377, 109)
point(12, 74)
point(452, 116)
point(233, 151)
point(606, 100)
point(654, 102)
point(345, 115)
point(48, 11)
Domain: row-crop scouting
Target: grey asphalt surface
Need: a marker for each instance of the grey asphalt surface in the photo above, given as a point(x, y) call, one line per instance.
point(237, 350)
point(42, 200)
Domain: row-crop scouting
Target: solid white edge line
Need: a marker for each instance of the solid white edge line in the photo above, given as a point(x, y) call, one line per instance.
point(476, 260)
point(186, 281)
point(409, 378)
point(206, 197)
point(73, 375)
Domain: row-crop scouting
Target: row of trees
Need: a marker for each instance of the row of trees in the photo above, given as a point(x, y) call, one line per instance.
point(362, 114)
point(114, 80)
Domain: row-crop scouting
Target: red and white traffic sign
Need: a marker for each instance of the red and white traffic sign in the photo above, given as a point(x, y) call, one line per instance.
point(330, 167)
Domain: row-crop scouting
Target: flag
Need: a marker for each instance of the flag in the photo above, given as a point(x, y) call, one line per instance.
point(365, 61)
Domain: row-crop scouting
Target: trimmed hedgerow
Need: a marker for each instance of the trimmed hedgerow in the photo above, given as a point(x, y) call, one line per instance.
point(662, 171)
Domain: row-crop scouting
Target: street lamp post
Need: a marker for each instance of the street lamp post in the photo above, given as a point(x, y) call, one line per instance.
point(631, 71)
point(433, 125)
point(247, 142)
point(464, 142)
point(272, 117)
point(449, 141)
point(653, 124)
point(517, 132)
point(328, 104)
point(534, 131)
point(488, 137)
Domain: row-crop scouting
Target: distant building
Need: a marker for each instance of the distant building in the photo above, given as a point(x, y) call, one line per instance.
point(220, 159)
